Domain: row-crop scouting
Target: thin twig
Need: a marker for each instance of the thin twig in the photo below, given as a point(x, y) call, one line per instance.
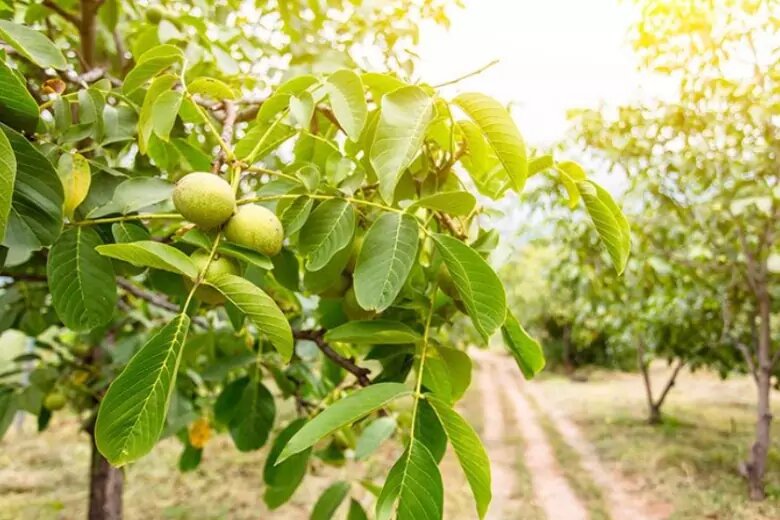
point(158, 300)
point(466, 76)
point(360, 373)
point(67, 15)
point(228, 124)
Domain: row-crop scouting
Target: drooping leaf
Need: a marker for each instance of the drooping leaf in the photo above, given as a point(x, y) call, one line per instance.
point(526, 350)
point(447, 373)
point(146, 118)
point(283, 479)
point(35, 219)
point(148, 253)
point(610, 222)
point(345, 90)
point(76, 178)
point(150, 64)
point(7, 177)
point(18, 108)
point(429, 431)
point(330, 500)
point(386, 258)
point(259, 308)
point(132, 413)
point(356, 511)
point(32, 44)
point(254, 417)
point(570, 173)
point(81, 281)
point(373, 436)
point(342, 413)
point(302, 109)
point(295, 215)
point(328, 230)
point(166, 108)
point(458, 203)
point(501, 133)
point(471, 454)
point(415, 484)
point(386, 332)
point(476, 282)
point(404, 118)
point(245, 254)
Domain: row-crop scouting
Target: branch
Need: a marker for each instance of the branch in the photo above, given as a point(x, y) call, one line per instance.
point(155, 299)
point(467, 76)
point(670, 383)
point(347, 364)
point(67, 15)
point(228, 124)
point(748, 359)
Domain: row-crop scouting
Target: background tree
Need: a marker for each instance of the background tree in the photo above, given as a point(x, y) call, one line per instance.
point(220, 215)
point(710, 152)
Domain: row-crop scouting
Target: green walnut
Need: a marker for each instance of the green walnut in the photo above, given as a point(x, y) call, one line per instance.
point(352, 308)
point(204, 199)
point(54, 400)
point(338, 288)
point(219, 265)
point(154, 14)
point(257, 228)
point(357, 245)
point(446, 284)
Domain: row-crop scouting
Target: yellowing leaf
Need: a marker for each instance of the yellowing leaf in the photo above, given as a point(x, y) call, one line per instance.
point(76, 177)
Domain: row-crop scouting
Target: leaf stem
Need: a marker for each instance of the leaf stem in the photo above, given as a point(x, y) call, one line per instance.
point(125, 218)
point(421, 367)
point(468, 75)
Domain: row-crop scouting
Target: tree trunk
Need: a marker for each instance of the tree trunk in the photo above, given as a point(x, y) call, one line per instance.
point(88, 32)
point(105, 487)
point(568, 361)
point(653, 411)
point(756, 466)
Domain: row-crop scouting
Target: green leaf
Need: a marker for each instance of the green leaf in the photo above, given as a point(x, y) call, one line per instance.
point(76, 178)
point(342, 413)
point(295, 215)
point(8, 409)
point(570, 173)
point(386, 332)
point(470, 452)
point(82, 284)
point(18, 108)
point(501, 133)
point(133, 195)
point(388, 253)
point(150, 64)
point(245, 254)
point(476, 282)
point(458, 203)
point(526, 350)
point(373, 436)
point(212, 88)
point(148, 253)
point(32, 45)
point(7, 177)
point(447, 373)
point(283, 479)
point(330, 500)
point(35, 219)
point(345, 90)
point(356, 511)
point(400, 133)
point(262, 138)
point(328, 230)
point(253, 418)
point(259, 308)
point(166, 108)
point(302, 109)
point(610, 222)
point(132, 413)
point(414, 482)
point(146, 118)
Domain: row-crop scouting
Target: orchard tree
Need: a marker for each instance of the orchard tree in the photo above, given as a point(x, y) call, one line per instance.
point(191, 241)
point(711, 152)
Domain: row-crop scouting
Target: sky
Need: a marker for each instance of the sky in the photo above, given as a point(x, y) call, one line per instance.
point(554, 55)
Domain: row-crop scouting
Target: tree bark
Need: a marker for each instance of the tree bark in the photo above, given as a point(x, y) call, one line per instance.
point(88, 31)
point(106, 484)
point(653, 411)
point(567, 355)
point(756, 466)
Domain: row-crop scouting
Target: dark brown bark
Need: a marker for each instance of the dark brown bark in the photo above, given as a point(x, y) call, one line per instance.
point(88, 31)
point(106, 484)
point(567, 355)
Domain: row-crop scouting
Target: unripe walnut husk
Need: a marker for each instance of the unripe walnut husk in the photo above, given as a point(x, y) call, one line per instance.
point(219, 265)
point(352, 308)
point(257, 228)
point(204, 199)
point(54, 400)
point(154, 14)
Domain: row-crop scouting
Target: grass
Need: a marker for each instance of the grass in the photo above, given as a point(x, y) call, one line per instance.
point(687, 465)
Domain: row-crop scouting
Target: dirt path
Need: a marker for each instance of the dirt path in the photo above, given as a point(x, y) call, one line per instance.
point(551, 489)
point(621, 502)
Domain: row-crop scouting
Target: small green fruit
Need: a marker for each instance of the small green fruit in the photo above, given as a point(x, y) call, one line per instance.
point(352, 308)
point(219, 265)
point(54, 400)
point(338, 289)
point(357, 245)
point(154, 14)
point(446, 284)
point(257, 228)
point(204, 199)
